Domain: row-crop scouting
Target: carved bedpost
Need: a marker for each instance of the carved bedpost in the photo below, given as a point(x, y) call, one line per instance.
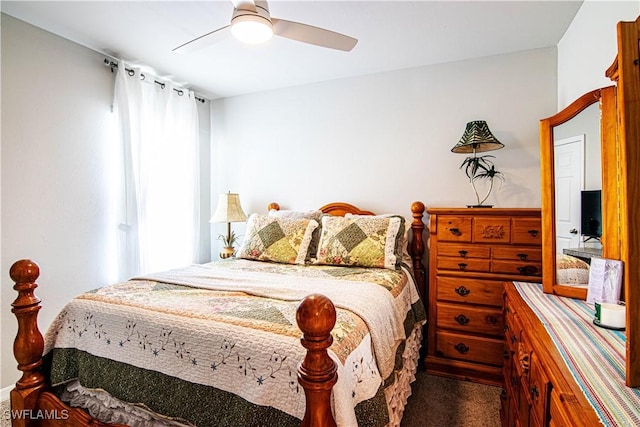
point(416, 247)
point(316, 317)
point(28, 345)
point(273, 206)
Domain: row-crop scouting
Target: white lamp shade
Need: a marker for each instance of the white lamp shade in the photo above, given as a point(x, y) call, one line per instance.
point(229, 209)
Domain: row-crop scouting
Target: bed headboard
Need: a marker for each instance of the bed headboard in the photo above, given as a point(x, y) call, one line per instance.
point(335, 209)
point(415, 245)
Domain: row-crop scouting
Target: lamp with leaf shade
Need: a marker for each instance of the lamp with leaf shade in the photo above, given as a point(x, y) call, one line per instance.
point(478, 138)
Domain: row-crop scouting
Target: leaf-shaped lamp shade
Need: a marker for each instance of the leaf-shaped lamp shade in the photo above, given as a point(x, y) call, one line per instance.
point(477, 138)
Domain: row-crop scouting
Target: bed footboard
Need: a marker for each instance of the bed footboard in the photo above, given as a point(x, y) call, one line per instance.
point(31, 404)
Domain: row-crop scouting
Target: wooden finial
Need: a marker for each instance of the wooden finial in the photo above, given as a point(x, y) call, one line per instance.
point(316, 317)
point(28, 345)
point(417, 208)
point(24, 271)
point(273, 206)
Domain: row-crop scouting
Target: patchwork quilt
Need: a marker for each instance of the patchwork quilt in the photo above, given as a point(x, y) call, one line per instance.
point(218, 344)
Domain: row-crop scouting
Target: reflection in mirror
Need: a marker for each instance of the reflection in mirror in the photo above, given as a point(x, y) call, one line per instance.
point(578, 183)
point(572, 144)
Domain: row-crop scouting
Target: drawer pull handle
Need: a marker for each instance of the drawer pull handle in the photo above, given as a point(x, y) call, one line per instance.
point(523, 257)
point(523, 357)
point(528, 270)
point(463, 254)
point(492, 320)
point(461, 348)
point(462, 266)
point(462, 319)
point(506, 328)
point(462, 291)
point(455, 231)
point(505, 354)
point(513, 339)
point(535, 393)
point(533, 233)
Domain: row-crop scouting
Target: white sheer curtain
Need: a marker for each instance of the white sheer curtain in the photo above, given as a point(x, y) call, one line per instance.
point(159, 139)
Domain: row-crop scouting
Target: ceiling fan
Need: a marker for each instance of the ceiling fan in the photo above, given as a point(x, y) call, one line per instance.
point(251, 22)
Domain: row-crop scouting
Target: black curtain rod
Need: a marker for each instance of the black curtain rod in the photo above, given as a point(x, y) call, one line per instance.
point(131, 72)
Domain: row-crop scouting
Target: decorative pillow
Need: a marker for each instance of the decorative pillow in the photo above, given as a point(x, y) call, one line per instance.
point(277, 239)
point(406, 258)
point(571, 270)
point(363, 241)
point(315, 215)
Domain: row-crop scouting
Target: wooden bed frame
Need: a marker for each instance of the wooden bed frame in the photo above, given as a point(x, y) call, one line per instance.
point(35, 404)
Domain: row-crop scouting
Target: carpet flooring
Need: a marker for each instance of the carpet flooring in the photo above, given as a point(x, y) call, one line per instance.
point(434, 402)
point(443, 402)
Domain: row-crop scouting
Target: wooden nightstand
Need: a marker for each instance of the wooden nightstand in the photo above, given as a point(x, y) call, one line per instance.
point(472, 252)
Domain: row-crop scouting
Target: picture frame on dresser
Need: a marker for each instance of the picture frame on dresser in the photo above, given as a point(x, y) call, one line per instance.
point(472, 252)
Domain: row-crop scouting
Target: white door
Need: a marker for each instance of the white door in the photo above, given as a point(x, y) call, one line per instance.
point(569, 175)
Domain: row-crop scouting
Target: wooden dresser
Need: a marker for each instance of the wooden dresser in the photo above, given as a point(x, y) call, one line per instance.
point(539, 389)
point(472, 252)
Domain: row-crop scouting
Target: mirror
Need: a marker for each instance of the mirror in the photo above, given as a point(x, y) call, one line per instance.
point(578, 187)
point(568, 159)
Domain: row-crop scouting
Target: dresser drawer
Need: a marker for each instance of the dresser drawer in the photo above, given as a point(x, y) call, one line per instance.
point(471, 291)
point(527, 231)
point(464, 251)
point(539, 390)
point(492, 230)
point(517, 253)
point(454, 228)
point(463, 264)
point(473, 349)
point(470, 319)
point(533, 269)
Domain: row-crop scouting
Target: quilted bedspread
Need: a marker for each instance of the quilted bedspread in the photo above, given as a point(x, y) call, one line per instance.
point(185, 341)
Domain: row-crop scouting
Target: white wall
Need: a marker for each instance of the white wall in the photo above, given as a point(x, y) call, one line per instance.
point(56, 191)
point(56, 100)
point(383, 141)
point(589, 47)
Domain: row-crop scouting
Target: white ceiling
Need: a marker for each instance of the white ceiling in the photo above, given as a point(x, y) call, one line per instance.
point(392, 35)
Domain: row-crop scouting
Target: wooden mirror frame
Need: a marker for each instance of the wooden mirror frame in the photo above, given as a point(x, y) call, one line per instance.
point(620, 137)
point(610, 229)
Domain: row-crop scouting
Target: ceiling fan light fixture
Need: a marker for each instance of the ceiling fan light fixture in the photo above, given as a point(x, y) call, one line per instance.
point(251, 29)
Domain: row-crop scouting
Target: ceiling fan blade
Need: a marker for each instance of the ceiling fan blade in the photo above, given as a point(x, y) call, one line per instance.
point(203, 41)
point(312, 35)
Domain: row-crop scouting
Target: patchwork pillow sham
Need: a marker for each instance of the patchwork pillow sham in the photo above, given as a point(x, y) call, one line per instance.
point(315, 215)
point(280, 240)
point(571, 271)
point(363, 241)
point(406, 257)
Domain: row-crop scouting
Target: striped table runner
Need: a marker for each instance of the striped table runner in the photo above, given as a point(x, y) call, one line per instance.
point(595, 356)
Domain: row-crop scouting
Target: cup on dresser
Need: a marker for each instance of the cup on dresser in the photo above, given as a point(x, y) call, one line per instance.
point(610, 315)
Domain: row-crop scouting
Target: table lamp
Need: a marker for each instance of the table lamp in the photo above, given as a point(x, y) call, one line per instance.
point(228, 210)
